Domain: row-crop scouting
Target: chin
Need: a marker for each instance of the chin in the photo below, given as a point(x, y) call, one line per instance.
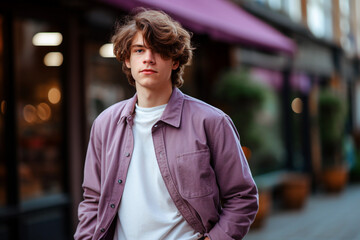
point(148, 84)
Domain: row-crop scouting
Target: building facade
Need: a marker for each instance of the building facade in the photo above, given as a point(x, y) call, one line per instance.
point(56, 77)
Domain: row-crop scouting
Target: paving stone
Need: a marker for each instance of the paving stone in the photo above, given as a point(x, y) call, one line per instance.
point(325, 217)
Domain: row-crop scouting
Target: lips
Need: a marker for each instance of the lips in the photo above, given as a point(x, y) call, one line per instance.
point(148, 71)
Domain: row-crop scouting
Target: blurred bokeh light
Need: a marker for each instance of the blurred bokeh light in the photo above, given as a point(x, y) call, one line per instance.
point(54, 95)
point(53, 59)
point(47, 39)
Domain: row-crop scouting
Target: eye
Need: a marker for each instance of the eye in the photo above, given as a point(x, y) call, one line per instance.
point(138, 50)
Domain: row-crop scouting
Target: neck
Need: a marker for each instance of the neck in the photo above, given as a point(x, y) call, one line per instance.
point(148, 98)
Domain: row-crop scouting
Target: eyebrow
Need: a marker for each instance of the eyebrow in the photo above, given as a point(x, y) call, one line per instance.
point(138, 45)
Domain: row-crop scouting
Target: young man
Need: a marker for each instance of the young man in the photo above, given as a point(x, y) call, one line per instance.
point(163, 165)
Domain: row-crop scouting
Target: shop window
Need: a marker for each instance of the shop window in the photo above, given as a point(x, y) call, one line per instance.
point(275, 4)
point(290, 8)
point(267, 153)
point(257, 116)
point(293, 9)
point(356, 19)
point(347, 38)
point(2, 124)
point(39, 109)
point(319, 18)
point(105, 82)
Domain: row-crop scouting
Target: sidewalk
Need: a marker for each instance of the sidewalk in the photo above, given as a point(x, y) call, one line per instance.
point(325, 217)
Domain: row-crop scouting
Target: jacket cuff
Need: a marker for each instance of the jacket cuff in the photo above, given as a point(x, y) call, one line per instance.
point(216, 233)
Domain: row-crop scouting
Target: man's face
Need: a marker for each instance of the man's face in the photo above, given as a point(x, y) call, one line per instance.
point(148, 68)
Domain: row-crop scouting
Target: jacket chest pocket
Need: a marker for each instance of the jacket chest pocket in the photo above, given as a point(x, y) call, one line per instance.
point(195, 176)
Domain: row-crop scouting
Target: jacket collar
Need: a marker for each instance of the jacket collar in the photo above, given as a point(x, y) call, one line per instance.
point(172, 112)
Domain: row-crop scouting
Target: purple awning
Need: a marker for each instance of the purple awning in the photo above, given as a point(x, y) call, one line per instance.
point(221, 19)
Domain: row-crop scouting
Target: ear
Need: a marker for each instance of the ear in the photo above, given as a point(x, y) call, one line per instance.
point(127, 62)
point(175, 65)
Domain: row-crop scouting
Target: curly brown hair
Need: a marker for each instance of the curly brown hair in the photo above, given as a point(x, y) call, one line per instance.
point(161, 33)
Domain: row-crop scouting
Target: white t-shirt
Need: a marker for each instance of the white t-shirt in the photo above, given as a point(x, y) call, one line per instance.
point(146, 210)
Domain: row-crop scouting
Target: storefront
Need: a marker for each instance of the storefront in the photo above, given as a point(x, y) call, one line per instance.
point(54, 80)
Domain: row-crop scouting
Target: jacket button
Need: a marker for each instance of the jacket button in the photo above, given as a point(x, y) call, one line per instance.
point(127, 154)
point(119, 181)
point(112, 205)
point(102, 230)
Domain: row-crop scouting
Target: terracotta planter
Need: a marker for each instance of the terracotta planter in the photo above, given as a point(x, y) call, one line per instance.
point(295, 190)
point(335, 179)
point(265, 205)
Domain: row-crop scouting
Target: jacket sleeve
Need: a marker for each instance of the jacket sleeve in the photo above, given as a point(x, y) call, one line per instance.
point(238, 192)
point(87, 211)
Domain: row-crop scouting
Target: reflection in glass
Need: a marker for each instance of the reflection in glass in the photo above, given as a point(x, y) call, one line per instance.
point(39, 113)
point(2, 124)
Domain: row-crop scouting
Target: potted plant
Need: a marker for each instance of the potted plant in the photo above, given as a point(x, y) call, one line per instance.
point(295, 189)
point(332, 117)
point(265, 206)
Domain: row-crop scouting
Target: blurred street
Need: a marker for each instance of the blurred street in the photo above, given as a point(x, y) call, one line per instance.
point(326, 216)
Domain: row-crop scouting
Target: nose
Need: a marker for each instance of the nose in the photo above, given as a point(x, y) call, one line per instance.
point(149, 57)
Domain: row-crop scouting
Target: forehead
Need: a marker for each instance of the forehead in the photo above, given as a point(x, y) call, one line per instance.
point(138, 40)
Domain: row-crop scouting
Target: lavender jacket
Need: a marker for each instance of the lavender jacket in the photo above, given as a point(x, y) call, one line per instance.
point(200, 159)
